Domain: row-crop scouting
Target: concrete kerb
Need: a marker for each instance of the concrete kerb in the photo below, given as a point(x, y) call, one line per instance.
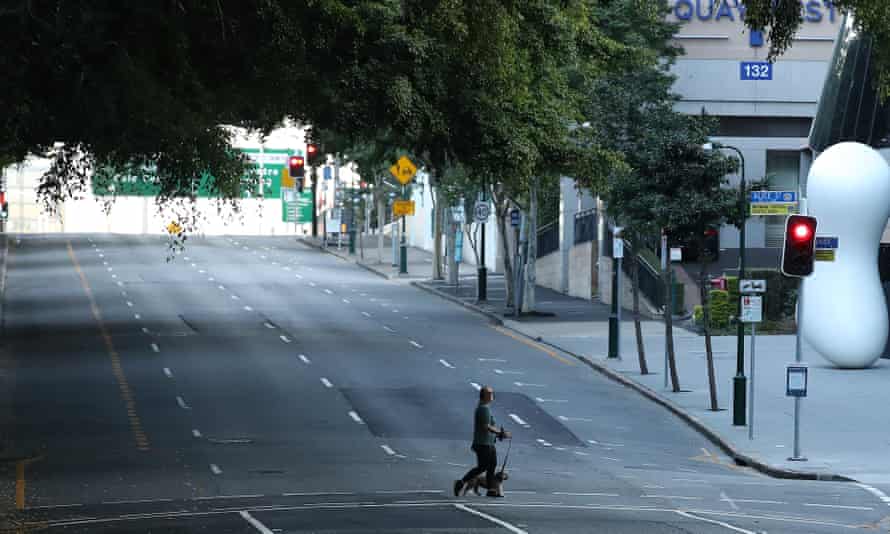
point(740, 458)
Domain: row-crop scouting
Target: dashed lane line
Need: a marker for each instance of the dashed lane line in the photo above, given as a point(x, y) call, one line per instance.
point(181, 402)
point(675, 497)
point(304, 359)
point(197, 433)
point(269, 325)
point(327, 383)
point(477, 386)
point(519, 421)
point(723, 524)
point(215, 469)
point(117, 369)
point(155, 347)
point(500, 522)
point(445, 363)
point(388, 450)
point(502, 372)
point(168, 372)
point(248, 308)
point(416, 344)
point(366, 314)
point(579, 494)
point(356, 418)
point(838, 506)
point(389, 329)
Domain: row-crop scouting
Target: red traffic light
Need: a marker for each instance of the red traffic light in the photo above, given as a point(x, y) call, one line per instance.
point(311, 149)
point(296, 161)
point(297, 166)
point(801, 232)
point(799, 251)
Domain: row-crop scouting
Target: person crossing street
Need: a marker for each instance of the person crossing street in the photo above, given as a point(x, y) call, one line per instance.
point(484, 433)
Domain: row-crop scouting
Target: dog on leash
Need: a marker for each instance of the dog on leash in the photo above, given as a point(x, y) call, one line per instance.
point(479, 483)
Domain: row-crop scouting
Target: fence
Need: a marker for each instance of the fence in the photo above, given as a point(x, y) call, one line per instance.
point(585, 226)
point(548, 239)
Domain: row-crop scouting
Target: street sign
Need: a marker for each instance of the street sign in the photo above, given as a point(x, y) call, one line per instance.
point(287, 181)
point(752, 286)
point(514, 217)
point(402, 207)
point(752, 309)
point(327, 173)
point(773, 202)
point(826, 248)
point(618, 248)
point(482, 211)
point(796, 380)
point(457, 214)
point(676, 254)
point(404, 170)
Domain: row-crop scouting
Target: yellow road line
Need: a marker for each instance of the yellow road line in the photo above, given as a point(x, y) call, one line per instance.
point(532, 344)
point(116, 368)
point(20, 485)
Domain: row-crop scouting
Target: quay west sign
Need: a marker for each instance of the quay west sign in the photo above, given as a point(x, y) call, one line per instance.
point(732, 10)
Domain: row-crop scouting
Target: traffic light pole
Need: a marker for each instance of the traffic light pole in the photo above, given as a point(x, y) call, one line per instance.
point(482, 274)
point(314, 174)
point(740, 386)
point(403, 248)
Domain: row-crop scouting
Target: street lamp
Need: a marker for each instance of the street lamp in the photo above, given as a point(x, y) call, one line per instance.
point(739, 381)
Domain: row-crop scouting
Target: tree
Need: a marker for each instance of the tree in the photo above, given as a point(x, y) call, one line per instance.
point(783, 19)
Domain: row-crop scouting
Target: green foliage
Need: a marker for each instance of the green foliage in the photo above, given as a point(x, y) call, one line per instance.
point(784, 20)
point(721, 308)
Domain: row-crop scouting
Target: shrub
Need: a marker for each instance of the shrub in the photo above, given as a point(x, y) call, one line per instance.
point(721, 307)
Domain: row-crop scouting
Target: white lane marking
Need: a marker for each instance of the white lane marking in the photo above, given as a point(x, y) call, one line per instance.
point(222, 287)
point(874, 491)
point(477, 386)
point(694, 480)
point(262, 257)
point(202, 271)
point(137, 316)
point(328, 291)
point(316, 493)
point(680, 497)
point(269, 325)
point(388, 450)
point(136, 501)
point(502, 372)
point(346, 301)
point(581, 453)
point(715, 522)
point(326, 382)
point(610, 458)
point(286, 268)
point(211, 279)
point(263, 529)
point(416, 344)
point(544, 442)
point(110, 269)
point(304, 359)
point(842, 507)
point(725, 498)
point(155, 347)
point(518, 420)
point(186, 258)
point(123, 293)
point(298, 277)
point(355, 417)
point(114, 276)
point(236, 297)
point(758, 501)
point(215, 469)
point(500, 522)
point(248, 308)
point(104, 262)
point(196, 433)
point(395, 311)
point(585, 494)
point(119, 283)
point(145, 330)
point(312, 284)
point(284, 338)
point(129, 304)
point(168, 372)
point(181, 402)
point(539, 399)
point(366, 314)
point(388, 329)
point(445, 363)
point(582, 419)
point(194, 265)
point(527, 385)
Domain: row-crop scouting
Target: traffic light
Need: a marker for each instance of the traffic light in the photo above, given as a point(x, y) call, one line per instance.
point(311, 154)
point(799, 251)
point(297, 166)
point(4, 206)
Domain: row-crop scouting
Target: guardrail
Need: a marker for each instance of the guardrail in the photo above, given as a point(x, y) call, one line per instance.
point(585, 226)
point(548, 239)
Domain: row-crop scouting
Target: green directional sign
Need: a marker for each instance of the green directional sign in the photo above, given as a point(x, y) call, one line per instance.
point(296, 207)
point(133, 181)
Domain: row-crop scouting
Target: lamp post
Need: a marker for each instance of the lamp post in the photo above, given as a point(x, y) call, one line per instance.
point(739, 381)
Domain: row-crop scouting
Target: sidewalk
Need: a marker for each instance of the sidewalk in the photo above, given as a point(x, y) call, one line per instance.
point(845, 420)
point(420, 263)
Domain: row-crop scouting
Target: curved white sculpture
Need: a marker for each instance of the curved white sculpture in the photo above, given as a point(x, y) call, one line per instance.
point(844, 310)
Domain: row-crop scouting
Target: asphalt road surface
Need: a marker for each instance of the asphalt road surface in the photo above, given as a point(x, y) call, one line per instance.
point(258, 385)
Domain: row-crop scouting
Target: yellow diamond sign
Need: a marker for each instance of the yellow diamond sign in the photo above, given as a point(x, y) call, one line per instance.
point(404, 170)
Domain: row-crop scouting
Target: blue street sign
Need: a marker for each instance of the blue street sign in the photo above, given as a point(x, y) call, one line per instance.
point(514, 217)
point(327, 173)
point(826, 242)
point(755, 70)
point(778, 197)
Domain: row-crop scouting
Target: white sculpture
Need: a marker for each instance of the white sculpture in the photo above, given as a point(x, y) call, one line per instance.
point(844, 310)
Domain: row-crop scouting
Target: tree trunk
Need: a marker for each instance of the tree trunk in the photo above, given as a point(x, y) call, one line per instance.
point(635, 269)
point(502, 212)
point(669, 328)
point(706, 317)
point(437, 236)
point(531, 278)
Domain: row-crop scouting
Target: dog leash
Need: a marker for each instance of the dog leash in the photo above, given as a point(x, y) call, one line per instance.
point(507, 456)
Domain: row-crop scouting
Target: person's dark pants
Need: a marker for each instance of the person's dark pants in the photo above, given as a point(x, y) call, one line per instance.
point(486, 462)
